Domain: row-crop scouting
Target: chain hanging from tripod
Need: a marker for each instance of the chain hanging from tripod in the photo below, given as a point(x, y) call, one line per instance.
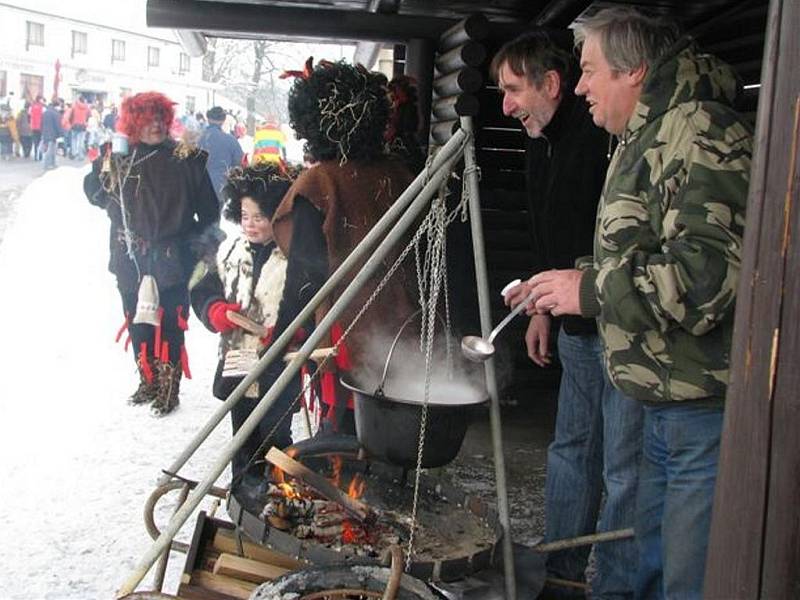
point(432, 283)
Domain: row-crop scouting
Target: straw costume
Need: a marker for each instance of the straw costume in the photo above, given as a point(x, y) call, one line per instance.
point(342, 112)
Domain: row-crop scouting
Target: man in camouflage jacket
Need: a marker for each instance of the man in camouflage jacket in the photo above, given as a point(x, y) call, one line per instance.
point(662, 282)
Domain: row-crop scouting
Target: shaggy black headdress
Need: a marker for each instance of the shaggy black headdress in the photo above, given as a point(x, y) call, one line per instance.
point(265, 183)
point(341, 111)
point(401, 134)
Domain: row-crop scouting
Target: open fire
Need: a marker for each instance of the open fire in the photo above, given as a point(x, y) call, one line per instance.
point(296, 507)
point(310, 519)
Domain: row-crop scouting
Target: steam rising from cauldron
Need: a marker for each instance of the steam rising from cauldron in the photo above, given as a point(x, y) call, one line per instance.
point(458, 383)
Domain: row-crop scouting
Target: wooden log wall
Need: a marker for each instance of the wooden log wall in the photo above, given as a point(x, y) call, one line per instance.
point(754, 550)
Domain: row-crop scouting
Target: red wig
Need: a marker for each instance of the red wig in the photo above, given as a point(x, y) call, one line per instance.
point(140, 110)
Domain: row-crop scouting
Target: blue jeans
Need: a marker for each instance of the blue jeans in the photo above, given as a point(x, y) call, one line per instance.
point(78, 143)
point(676, 492)
point(597, 447)
point(50, 154)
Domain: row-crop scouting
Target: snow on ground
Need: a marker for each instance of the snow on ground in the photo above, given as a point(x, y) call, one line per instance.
point(76, 462)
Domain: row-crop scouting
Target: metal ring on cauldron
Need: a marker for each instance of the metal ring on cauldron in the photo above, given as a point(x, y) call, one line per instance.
point(379, 391)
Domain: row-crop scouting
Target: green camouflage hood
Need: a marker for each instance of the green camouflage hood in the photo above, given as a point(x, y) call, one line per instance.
point(683, 75)
point(668, 238)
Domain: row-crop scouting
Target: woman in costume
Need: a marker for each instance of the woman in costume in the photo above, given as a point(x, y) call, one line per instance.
point(342, 112)
point(249, 279)
point(164, 219)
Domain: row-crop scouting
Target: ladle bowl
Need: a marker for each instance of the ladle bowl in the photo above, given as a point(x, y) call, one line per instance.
point(477, 349)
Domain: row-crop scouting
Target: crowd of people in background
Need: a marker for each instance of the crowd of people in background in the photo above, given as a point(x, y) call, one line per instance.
point(83, 126)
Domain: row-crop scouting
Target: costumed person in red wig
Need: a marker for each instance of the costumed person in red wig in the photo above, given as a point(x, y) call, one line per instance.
point(164, 220)
point(248, 278)
point(342, 112)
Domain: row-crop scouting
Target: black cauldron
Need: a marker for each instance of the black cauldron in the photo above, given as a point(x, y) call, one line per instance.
point(388, 427)
point(388, 422)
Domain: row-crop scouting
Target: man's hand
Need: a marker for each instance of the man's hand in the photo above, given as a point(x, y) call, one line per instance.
point(556, 292)
point(517, 294)
point(537, 340)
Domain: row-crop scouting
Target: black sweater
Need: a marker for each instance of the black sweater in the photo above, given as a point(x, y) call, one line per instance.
point(565, 171)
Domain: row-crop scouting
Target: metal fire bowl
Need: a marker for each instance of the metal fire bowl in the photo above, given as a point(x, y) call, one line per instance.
point(243, 510)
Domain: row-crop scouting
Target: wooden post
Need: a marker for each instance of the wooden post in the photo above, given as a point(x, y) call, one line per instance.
point(753, 549)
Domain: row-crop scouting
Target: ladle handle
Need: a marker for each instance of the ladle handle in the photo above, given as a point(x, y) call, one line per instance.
point(517, 309)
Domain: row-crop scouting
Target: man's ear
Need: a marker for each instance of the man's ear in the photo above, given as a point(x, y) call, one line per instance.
point(552, 84)
point(637, 75)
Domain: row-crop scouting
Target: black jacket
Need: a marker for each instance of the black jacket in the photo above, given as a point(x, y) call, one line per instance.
point(172, 213)
point(565, 171)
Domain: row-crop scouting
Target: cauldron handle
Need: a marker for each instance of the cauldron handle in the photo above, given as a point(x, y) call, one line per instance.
point(379, 391)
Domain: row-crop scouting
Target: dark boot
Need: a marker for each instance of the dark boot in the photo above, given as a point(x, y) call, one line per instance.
point(148, 383)
point(169, 383)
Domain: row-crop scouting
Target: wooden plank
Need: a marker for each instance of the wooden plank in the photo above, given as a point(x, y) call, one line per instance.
point(780, 576)
point(222, 584)
point(745, 531)
point(225, 542)
point(246, 324)
point(323, 486)
point(317, 355)
point(246, 569)
point(188, 591)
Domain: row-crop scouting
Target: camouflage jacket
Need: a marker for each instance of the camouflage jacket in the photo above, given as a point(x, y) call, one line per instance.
point(668, 237)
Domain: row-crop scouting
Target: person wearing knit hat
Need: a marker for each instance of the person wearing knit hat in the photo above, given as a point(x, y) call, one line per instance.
point(164, 220)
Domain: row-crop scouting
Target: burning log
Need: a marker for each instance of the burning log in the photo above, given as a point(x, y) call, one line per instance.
point(325, 488)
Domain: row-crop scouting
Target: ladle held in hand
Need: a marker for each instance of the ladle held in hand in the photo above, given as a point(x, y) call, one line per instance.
point(478, 349)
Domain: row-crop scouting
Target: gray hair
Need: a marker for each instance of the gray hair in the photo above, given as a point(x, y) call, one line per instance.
point(628, 38)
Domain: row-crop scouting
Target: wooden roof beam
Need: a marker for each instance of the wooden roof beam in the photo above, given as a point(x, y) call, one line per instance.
point(283, 22)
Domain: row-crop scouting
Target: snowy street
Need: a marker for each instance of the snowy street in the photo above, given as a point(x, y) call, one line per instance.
point(78, 463)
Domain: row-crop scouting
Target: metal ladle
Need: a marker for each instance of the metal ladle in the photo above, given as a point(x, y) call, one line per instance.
point(478, 349)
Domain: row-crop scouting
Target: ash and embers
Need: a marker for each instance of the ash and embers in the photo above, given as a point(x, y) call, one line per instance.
point(444, 528)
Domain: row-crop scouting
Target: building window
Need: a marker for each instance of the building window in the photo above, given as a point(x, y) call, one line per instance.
point(117, 50)
point(34, 34)
point(79, 42)
point(153, 56)
point(190, 104)
point(185, 65)
point(31, 86)
point(3, 84)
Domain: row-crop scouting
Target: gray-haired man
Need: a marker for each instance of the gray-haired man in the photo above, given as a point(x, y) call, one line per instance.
point(662, 282)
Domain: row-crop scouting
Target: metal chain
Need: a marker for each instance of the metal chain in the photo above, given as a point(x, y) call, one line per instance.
point(436, 269)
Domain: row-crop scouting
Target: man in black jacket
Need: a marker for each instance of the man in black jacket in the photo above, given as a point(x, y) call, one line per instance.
point(598, 430)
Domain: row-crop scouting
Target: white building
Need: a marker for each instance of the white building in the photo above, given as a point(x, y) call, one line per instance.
point(96, 59)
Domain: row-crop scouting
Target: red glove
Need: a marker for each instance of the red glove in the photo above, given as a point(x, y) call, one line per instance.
point(217, 317)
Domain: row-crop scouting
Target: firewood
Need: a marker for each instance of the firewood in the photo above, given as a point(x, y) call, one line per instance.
point(223, 584)
point(246, 324)
point(279, 522)
point(298, 470)
point(317, 355)
point(224, 542)
point(315, 531)
point(246, 569)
